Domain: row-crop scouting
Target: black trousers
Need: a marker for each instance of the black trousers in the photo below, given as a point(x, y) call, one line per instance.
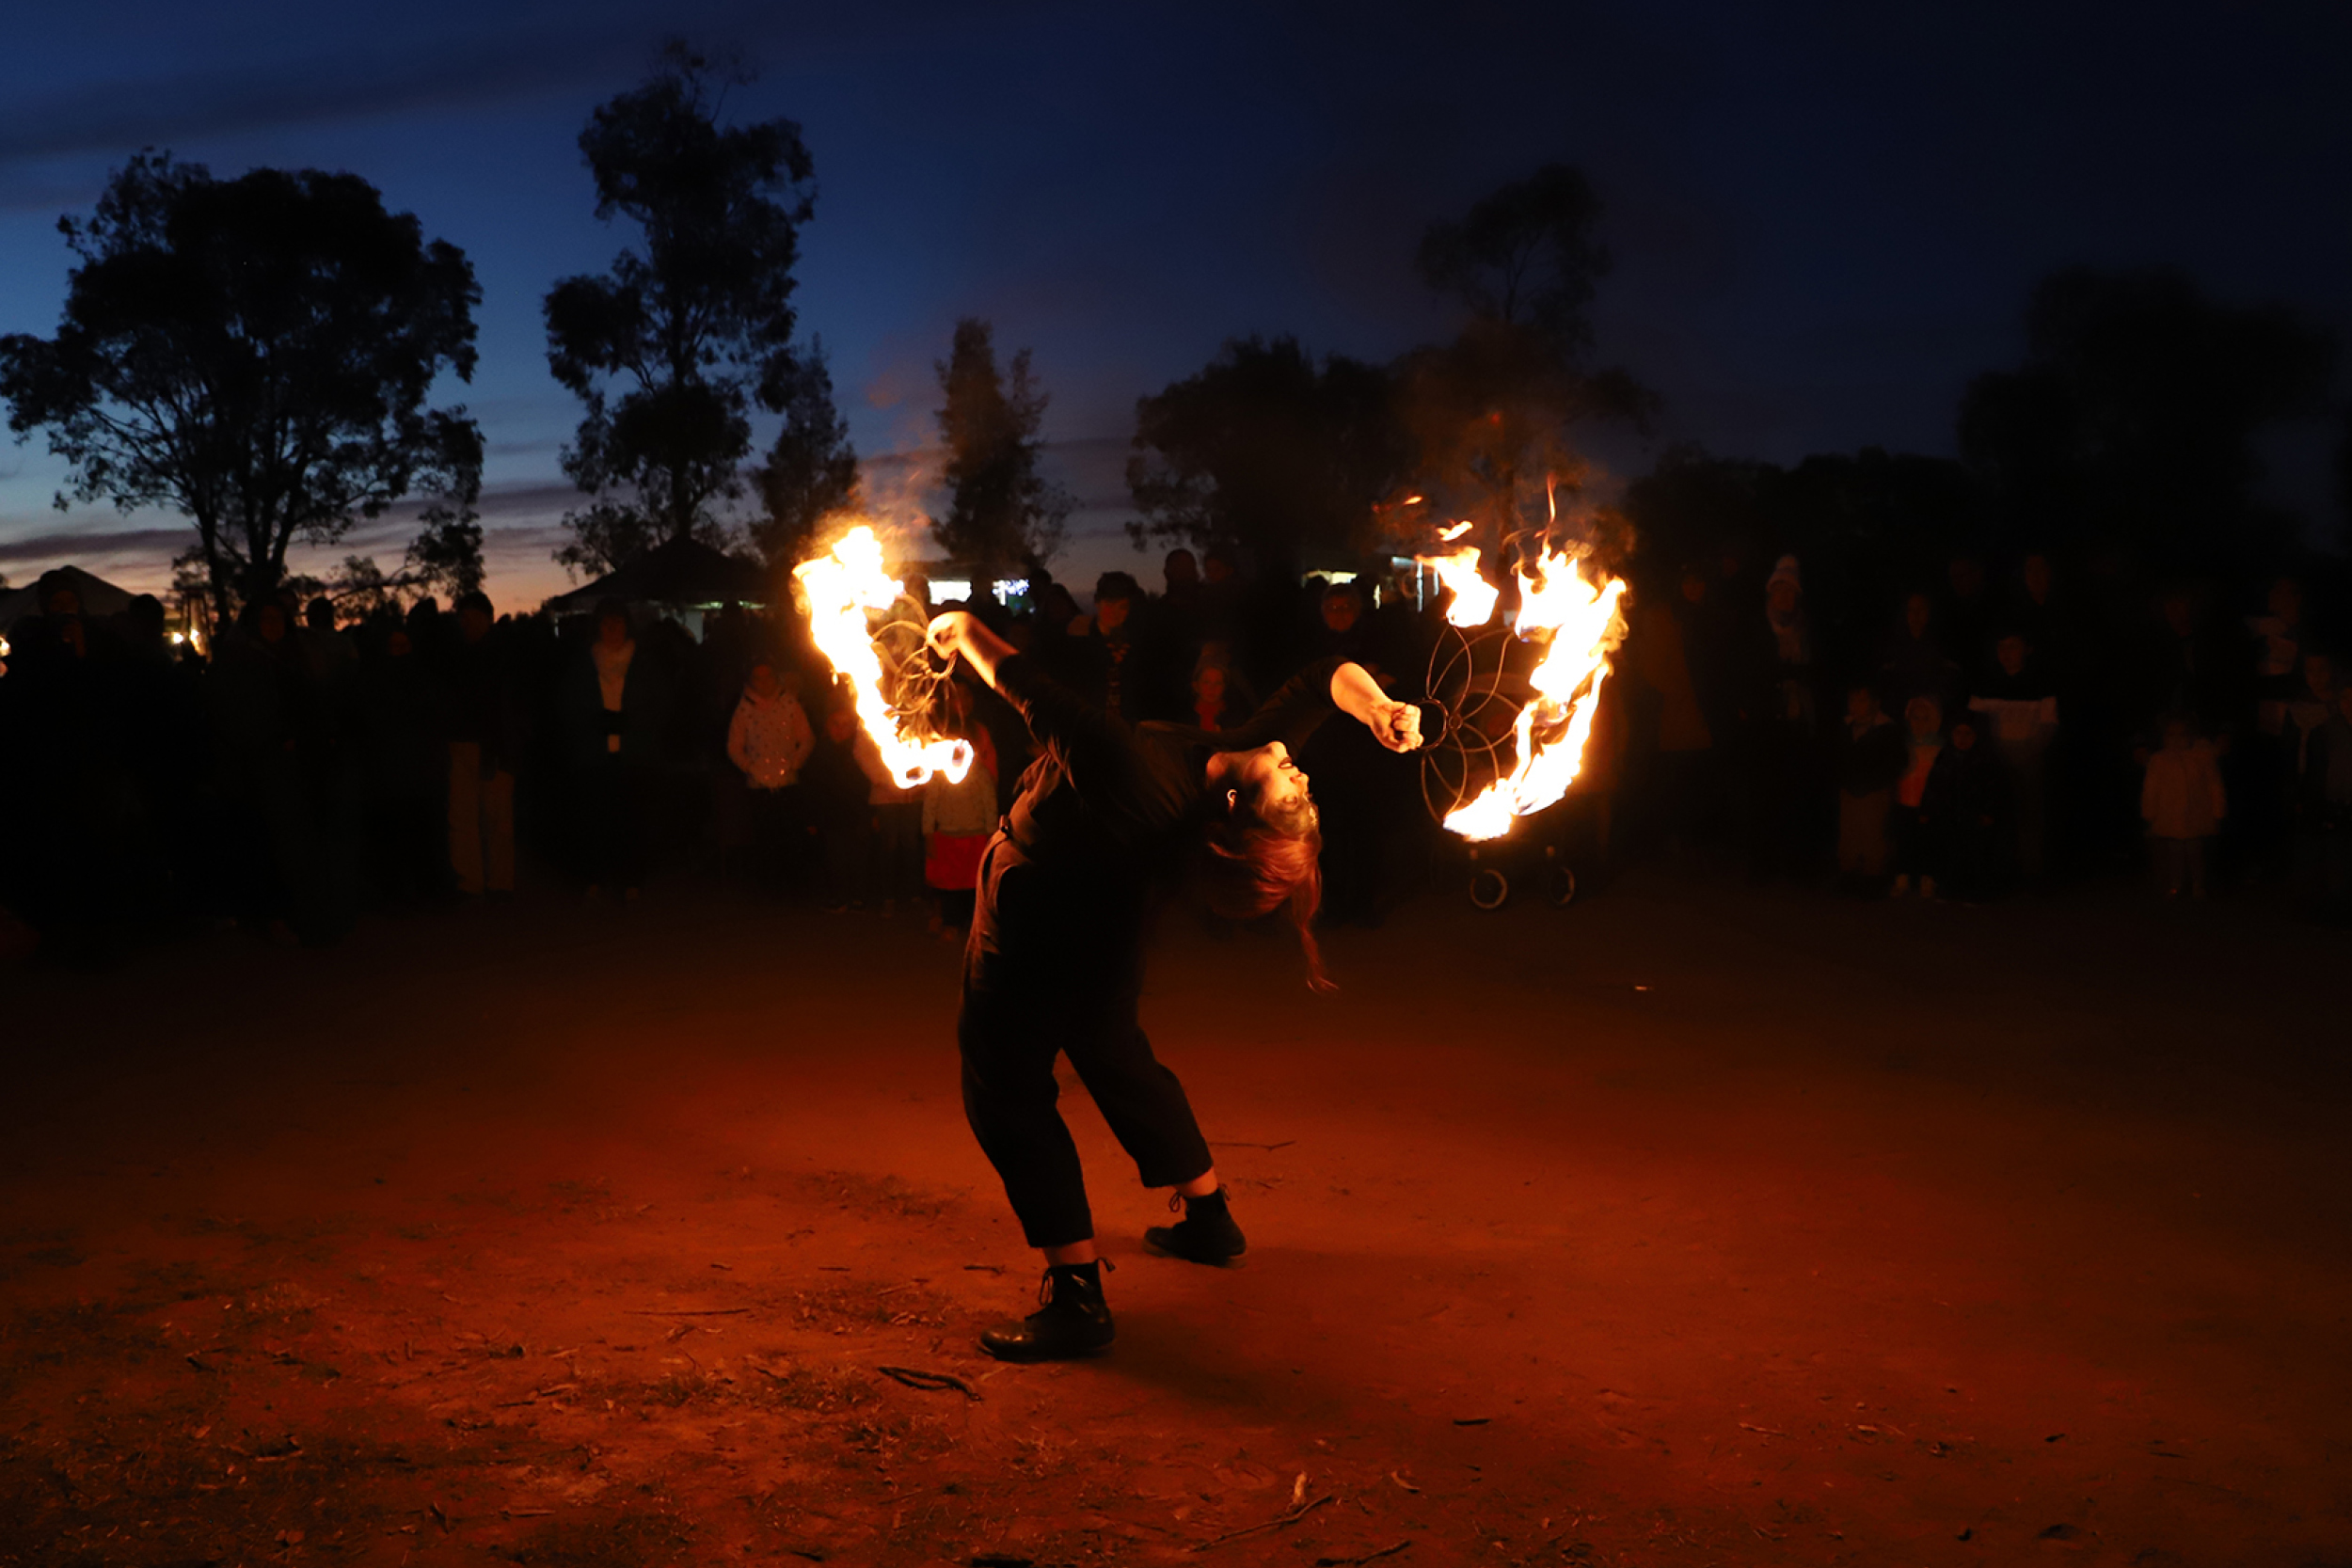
point(1054, 967)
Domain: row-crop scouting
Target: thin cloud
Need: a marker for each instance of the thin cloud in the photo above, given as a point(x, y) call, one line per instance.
point(86, 542)
point(447, 60)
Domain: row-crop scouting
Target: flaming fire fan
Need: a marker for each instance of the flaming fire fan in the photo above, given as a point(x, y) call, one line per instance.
point(873, 634)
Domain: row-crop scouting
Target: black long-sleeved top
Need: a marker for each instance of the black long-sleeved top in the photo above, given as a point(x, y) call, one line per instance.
point(1111, 803)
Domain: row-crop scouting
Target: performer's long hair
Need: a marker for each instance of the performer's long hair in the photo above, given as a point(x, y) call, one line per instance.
point(1256, 864)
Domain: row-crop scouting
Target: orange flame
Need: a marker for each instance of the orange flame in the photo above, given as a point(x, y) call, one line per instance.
point(841, 588)
point(1473, 595)
point(1577, 625)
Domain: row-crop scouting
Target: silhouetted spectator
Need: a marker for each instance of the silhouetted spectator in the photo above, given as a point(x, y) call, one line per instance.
point(1657, 655)
point(266, 716)
point(2020, 708)
point(2035, 615)
point(1965, 806)
point(2261, 761)
point(2310, 739)
point(2335, 895)
point(894, 871)
point(1912, 830)
point(327, 646)
point(1342, 631)
point(484, 743)
point(1916, 663)
point(839, 793)
point(404, 771)
point(1871, 755)
point(2188, 672)
point(1102, 660)
point(1786, 801)
point(617, 704)
point(2183, 804)
point(1967, 616)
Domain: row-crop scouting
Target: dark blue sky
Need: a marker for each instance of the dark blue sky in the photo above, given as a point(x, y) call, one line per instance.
point(1826, 218)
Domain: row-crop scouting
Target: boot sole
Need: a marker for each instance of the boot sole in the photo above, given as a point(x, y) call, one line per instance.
point(1157, 1250)
point(1010, 1360)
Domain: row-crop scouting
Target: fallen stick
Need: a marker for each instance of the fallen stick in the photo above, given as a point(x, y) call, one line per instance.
point(688, 1311)
point(1264, 1148)
point(1291, 1518)
point(930, 1382)
point(1368, 1556)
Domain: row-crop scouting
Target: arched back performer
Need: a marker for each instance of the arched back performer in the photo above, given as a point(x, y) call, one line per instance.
point(1055, 962)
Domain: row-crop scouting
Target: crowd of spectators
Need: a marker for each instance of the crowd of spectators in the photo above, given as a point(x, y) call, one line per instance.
point(1976, 736)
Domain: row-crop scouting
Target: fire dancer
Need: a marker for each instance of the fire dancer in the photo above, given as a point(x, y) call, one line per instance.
point(1055, 962)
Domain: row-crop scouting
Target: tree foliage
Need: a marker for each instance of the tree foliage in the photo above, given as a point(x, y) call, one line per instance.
point(2135, 413)
point(811, 470)
point(670, 349)
point(1002, 511)
point(1266, 450)
point(1491, 413)
point(255, 353)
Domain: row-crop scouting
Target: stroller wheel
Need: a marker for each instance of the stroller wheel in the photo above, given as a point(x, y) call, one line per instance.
point(1559, 884)
point(1489, 889)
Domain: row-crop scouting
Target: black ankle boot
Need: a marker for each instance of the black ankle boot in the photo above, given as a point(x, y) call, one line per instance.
point(1071, 1320)
point(1206, 1234)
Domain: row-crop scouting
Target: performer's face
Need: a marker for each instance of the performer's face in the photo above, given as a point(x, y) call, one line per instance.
point(1274, 775)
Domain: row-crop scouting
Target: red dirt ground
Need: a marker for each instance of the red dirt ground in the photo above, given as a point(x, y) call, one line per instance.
point(1690, 1224)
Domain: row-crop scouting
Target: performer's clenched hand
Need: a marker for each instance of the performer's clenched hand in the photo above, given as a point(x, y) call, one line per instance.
point(1353, 692)
point(945, 632)
point(959, 631)
point(1395, 725)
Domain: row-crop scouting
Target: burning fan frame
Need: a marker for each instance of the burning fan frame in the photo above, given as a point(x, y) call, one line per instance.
point(914, 678)
point(1477, 686)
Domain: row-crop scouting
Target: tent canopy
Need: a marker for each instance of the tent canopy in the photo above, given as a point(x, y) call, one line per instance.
point(99, 598)
point(680, 572)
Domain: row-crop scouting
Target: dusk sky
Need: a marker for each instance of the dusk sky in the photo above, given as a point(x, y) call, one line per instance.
point(1826, 218)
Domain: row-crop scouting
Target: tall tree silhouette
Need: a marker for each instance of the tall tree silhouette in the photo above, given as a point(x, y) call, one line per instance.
point(2134, 417)
point(810, 469)
point(1492, 412)
point(1002, 511)
point(671, 349)
point(255, 353)
point(1267, 449)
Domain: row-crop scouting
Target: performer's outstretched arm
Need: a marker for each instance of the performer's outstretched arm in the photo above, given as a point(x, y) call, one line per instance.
point(1353, 692)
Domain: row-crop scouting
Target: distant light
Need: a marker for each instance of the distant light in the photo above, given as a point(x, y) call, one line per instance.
point(179, 637)
point(1009, 588)
point(947, 589)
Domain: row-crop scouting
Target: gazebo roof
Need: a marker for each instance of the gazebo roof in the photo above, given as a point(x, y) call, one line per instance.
point(99, 598)
point(683, 572)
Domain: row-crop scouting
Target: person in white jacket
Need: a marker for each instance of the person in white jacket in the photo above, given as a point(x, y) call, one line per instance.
point(768, 740)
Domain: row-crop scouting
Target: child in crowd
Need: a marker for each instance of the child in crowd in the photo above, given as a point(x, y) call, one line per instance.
point(2182, 802)
point(1219, 698)
point(1914, 837)
point(1870, 757)
point(958, 818)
